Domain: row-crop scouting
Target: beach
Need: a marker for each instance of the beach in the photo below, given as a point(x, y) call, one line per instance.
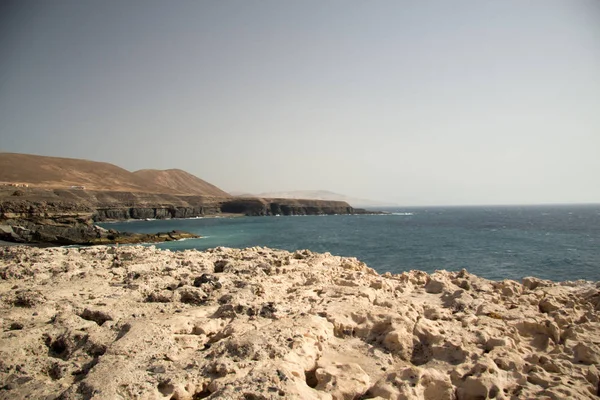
point(138, 322)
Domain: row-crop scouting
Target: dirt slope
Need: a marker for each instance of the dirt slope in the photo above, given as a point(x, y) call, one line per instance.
point(56, 172)
point(180, 182)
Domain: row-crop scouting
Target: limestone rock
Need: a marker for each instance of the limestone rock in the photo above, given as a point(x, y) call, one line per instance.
point(259, 323)
point(343, 381)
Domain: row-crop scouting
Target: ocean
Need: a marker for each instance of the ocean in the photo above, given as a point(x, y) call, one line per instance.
point(550, 242)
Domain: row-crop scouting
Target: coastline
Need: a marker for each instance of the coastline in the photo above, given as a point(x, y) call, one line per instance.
point(140, 322)
point(223, 215)
point(68, 216)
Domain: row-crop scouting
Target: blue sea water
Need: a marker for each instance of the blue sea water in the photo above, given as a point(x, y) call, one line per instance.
point(551, 242)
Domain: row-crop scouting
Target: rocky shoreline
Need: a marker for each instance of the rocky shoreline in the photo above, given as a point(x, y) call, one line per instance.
point(45, 234)
point(115, 205)
point(137, 322)
point(68, 217)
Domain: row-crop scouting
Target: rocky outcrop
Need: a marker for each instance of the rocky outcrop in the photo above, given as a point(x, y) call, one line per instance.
point(111, 237)
point(197, 207)
point(68, 216)
point(262, 206)
point(107, 205)
point(258, 323)
point(125, 213)
point(50, 233)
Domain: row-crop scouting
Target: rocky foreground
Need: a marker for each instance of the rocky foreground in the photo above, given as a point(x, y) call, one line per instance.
point(135, 322)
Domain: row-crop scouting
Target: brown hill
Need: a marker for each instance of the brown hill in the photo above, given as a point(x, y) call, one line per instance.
point(180, 182)
point(57, 172)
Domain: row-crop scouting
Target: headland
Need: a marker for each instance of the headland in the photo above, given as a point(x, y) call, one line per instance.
point(58, 201)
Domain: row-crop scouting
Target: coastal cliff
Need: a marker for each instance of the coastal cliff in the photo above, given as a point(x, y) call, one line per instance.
point(115, 205)
point(265, 206)
point(67, 216)
point(52, 200)
point(266, 324)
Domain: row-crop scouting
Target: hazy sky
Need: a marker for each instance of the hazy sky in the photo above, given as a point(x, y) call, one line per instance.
point(415, 102)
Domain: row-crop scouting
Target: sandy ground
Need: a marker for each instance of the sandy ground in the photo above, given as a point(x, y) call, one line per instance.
point(137, 322)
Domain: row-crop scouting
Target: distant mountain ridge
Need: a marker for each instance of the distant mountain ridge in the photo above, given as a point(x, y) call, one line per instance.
point(325, 195)
point(61, 173)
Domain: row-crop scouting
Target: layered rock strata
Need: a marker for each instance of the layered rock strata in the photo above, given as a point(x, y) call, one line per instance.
point(62, 217)
point(136, 322)
point(111, 205)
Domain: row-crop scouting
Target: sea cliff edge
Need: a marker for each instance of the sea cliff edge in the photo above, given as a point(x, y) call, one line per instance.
point(68, 216)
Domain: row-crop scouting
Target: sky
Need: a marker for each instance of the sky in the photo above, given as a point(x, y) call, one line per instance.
point(411, 102)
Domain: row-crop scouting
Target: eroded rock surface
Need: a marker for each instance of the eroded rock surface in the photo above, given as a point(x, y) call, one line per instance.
point(136, 322)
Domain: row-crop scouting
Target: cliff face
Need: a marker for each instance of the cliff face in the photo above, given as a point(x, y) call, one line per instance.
point(110, 205)
point(123, 206)
point(259, 206)
point(68, 195)
point(197, 207)
point(65, 223)
point(68, 216)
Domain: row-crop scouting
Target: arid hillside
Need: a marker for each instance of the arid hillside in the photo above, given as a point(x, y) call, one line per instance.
point(70, 173)
point(57, 172)
point(180, 182)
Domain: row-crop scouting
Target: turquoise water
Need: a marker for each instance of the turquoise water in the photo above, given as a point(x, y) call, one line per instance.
point(551, 242)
